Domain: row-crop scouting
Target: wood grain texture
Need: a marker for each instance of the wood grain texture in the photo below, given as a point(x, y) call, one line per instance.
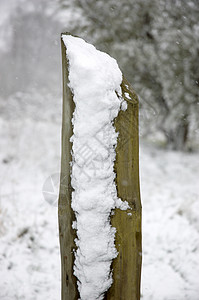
point(66, 215)
point(127, 265)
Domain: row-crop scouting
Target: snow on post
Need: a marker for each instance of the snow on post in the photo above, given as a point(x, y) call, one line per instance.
point(99, 202)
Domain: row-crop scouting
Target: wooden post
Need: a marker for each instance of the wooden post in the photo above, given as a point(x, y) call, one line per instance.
point(66, 215)
point(127, 265)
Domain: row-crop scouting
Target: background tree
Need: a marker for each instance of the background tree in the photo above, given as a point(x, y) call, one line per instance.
point(157, 45)
point(155, 42)
point(31, 58)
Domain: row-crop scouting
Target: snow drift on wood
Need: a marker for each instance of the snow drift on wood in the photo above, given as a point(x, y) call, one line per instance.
point(94, 79)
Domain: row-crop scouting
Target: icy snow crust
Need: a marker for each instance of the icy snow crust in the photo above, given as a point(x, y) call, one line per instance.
point(94, 78)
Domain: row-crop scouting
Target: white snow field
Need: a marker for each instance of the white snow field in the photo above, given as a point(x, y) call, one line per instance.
point(29, 245)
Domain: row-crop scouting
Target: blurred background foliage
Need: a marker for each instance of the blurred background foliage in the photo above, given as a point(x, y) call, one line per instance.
point(156, 44)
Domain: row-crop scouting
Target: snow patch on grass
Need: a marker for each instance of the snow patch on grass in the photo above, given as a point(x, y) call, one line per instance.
point(29, 251)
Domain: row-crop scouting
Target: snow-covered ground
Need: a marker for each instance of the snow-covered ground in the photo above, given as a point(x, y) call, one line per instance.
point(29, 251)
point(170, 199)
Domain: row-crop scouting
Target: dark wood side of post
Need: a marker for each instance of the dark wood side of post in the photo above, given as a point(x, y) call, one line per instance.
point(66, 215)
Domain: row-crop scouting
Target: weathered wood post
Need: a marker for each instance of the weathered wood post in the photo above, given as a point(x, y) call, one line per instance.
point(127, 265)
